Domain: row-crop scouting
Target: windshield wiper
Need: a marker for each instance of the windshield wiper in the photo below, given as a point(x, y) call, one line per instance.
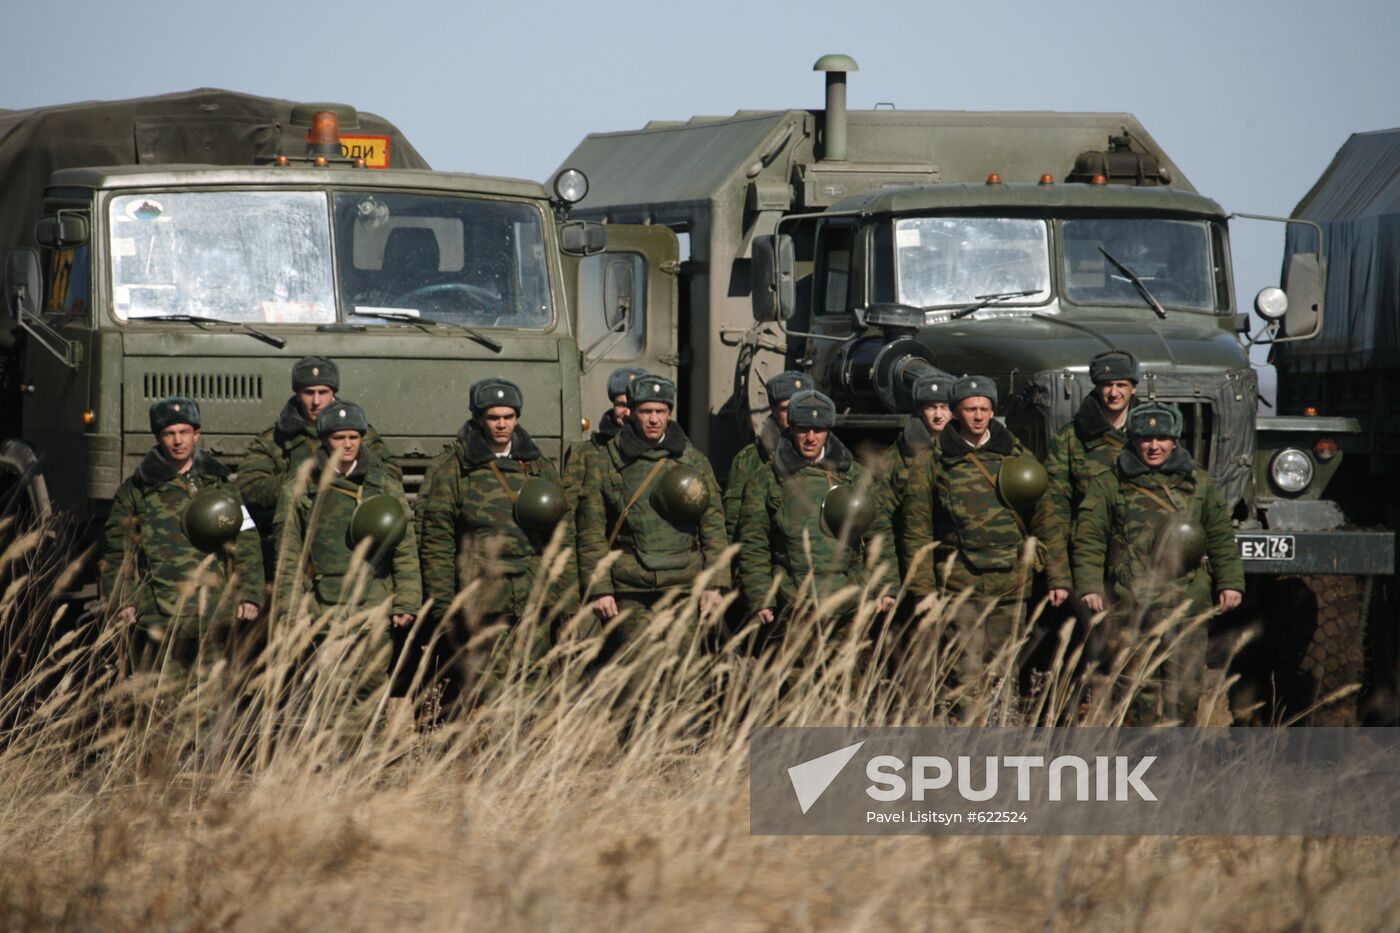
point(1147, 295)
point(197, 320)
point(984, 300)
point(423, 325)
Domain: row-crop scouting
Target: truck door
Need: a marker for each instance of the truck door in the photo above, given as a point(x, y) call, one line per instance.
point(626, 307)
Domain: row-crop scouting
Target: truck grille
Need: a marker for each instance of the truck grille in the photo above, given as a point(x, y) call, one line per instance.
point(211, 387)
point(1197, 428)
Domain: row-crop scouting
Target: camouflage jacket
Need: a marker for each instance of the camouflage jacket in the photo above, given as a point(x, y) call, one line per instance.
point(780, 527)
point(1118, 521)
point(748, 463)
point(318, 522)
point(274, 455)
point(656, 554)
point(893, 479)
point(468, 520)
point(1081, 450)
point(949, 500)
point(148, 560)
point(576, 460)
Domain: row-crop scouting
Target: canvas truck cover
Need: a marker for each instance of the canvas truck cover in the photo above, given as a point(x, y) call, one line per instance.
point(205, 126)
point(1357, 204)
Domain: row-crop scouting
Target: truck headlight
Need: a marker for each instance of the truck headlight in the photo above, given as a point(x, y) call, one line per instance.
point(1291, 470)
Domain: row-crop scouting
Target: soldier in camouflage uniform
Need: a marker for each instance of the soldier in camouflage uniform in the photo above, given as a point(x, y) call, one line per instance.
point(930, 416)
point(755, 456)
point(316, 519)
point(1082, 449)
point(781, 533)
point(275, 454)
point(1117, 561)
point(148, 563)
point(469, 525)
point(616, 512)
point(952, 498)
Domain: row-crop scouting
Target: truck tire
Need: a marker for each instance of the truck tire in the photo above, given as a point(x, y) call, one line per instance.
point(1335, 655)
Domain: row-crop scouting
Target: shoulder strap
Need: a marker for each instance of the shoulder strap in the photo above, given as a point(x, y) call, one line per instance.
point(986, 475)
point(501, 478)
point(617, 528)
point(1170, 506)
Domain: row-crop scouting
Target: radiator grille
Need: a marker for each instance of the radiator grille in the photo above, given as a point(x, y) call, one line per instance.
point(211, 387)
point(1197, 428)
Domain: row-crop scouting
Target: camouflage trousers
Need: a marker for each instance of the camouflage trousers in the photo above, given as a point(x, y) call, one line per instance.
point(1176, 691)
point(996, 604)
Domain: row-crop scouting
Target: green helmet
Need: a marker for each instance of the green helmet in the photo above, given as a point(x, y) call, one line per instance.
point(1180, 542)
point(848, 510)
point(539, 505)
point(383, 519)
point(680, 495)
point(1021, 481)
point(212, 519)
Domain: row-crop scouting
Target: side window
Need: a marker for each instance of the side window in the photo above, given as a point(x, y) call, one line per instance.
point(66, 281)
point(612, 305)
point(883, 255)
point(1221, 267)
point(834, 269)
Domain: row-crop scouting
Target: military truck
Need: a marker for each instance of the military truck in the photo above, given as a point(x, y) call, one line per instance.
point(199, 243)
point(866, 247)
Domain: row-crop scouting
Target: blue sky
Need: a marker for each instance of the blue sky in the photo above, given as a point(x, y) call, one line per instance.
point(1251, 99)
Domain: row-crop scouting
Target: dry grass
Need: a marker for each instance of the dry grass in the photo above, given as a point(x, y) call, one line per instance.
point(266, 795)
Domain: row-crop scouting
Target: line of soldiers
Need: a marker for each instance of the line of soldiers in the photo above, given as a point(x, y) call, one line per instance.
point(948, 500)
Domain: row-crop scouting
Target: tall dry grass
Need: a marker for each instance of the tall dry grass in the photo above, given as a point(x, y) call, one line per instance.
point(280, 787)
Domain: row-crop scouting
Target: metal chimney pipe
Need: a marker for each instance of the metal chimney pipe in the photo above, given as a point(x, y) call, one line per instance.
point(834, 121)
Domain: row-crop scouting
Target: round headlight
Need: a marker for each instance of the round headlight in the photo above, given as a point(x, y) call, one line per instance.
point(1271, 303)
point(571, 186)
point(1291, 470)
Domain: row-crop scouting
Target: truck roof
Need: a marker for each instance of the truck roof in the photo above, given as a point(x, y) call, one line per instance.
point(921, 198)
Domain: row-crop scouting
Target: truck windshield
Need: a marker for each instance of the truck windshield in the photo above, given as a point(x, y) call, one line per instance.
point(1171, 257)
point(463, 261)
point(947, 262)
point(247, 256)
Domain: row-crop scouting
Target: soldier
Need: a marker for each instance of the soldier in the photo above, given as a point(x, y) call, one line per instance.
point(480, 519)
point(149, 560)
point(1132, 544)
point(781, 527)
point(750, 461)
point(275, 454)
point(1082, 449)
point(322, 513)
point(931, 415)
point(652, 495)
point(953, 497)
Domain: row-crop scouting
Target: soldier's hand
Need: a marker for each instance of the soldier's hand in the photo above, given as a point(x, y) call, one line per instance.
point(765, 615)
point(710, 600)
point(1092, 601)
point(1228, 599)
point(248, 612)
point(605, 606)
point(1058, 595)
point(126, 615)
point(400, 619)
point(884, 604)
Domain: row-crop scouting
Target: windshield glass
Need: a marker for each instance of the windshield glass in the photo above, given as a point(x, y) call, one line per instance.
point(944, 262)
point(249, 256)
point(1171, 257)
point(457, 260)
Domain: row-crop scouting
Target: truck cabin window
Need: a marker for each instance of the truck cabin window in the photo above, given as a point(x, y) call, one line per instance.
point(1172, 258)
point(462, 261)
point(946, 263)
point(251, 256)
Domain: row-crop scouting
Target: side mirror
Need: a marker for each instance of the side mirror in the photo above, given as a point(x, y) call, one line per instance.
point(1303, 282)
point(774, 284)
point(582, 237)
point(63, 230)
point(22, 284)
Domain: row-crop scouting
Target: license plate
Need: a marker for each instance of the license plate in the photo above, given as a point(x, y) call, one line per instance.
point(373, 149)
point(1267, 547)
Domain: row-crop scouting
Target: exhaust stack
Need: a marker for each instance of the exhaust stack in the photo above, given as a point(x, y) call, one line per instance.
point(834, 123)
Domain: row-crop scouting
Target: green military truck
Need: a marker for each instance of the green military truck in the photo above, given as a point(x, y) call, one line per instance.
point(865, 247)
point(198, 244)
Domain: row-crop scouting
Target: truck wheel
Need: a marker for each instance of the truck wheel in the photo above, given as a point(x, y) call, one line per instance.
point(1335, 655)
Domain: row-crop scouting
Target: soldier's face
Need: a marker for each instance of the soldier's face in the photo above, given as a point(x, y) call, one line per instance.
point(810, 441)
point(620, 411)
point(177, 442)
point(314, 398)
point(651, 419)
point(780, 414)
point(344, 447)
point(975, 414)
point(1115, 395)
point(498, 422)
point(936, 416)
point(1154, 451)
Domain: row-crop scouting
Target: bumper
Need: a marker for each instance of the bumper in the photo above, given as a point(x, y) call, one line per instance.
point(1327, 552)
